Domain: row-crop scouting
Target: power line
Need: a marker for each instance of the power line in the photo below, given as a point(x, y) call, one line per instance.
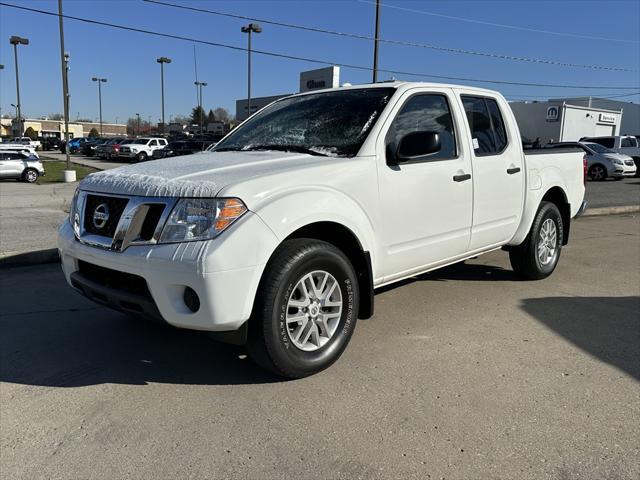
point(312, 60)
point(547, 97)
point(391, 41)
point(502, 25)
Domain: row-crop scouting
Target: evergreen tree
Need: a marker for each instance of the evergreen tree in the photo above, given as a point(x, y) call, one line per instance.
point(31, 133)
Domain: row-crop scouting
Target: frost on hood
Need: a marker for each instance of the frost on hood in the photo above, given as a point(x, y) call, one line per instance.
point(147, 185)
point(201, 175)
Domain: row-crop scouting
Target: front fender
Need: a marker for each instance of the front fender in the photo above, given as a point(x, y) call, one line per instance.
point(289, 210)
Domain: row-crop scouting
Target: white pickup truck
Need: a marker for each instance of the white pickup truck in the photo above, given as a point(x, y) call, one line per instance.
point(34, 144)
point(277, 238)
point(141, 149)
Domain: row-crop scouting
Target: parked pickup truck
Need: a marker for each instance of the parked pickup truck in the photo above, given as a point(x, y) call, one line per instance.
point(277, 238)
point(141, 149)
point(35, 144)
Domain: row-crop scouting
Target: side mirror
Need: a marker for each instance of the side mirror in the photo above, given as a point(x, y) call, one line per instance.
point(417, 144)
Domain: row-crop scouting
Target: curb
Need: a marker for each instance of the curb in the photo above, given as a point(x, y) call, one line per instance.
point(597, 212)
point(38, 257)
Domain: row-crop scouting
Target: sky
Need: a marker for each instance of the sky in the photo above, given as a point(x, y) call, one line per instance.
point(597, 33)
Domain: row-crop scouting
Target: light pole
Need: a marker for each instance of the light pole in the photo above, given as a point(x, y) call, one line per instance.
point(162, 61)
point(15, 41)
point(64, 60)
point(100, 82)
point(375, 43)
point(138, 115)
point(249, 29)
point(199, 85)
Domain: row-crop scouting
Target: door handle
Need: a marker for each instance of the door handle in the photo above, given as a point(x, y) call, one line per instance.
point(461, 178)
point(511, 171)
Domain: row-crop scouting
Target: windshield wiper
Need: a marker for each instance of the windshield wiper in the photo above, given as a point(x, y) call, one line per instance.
point(227, 149)
point(287, 148)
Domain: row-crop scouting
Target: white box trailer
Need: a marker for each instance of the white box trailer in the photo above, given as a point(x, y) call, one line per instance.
point(561, 122)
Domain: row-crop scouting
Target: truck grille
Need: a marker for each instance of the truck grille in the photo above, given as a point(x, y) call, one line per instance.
point(112, 207)
point(115, 222)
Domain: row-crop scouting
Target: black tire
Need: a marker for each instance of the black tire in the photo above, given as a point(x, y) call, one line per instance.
point(142, 157)
point(30, 175)
point(597, 172)
point(524, 258)
point(270, 344)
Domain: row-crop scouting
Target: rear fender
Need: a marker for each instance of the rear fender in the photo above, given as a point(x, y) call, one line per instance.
point(540, 183)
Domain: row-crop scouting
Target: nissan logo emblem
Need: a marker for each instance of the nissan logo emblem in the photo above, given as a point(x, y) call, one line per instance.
point(100, 215)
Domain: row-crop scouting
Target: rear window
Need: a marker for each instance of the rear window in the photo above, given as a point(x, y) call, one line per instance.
point(628, 142)
point(596, 147)
point(605, 142)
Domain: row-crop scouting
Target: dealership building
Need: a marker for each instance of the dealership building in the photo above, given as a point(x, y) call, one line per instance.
point(328, 77)
point(55, 128)
point(559, 121)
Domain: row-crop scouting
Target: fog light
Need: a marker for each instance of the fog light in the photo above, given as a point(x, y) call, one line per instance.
point(191, 299)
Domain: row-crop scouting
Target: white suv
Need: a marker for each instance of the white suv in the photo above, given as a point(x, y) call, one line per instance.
point(20, 165)
point(141, 149)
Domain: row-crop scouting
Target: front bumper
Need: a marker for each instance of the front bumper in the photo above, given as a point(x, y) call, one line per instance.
point(224, 273)
point(622, 171)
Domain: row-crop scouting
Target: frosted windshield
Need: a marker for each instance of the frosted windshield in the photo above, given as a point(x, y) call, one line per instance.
point(332, 123)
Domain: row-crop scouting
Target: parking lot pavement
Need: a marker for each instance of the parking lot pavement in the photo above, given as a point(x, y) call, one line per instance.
point(613, 193)
point(466, 372)
point(30, 215)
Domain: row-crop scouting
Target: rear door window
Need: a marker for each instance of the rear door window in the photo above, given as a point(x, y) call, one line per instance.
point(488, 132)
point(628, 142)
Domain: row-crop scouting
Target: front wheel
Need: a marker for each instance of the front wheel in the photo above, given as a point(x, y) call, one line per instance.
point(597, 173)
point(142, 157)
point(306, 310)
point(30, 175)
point(538, 256)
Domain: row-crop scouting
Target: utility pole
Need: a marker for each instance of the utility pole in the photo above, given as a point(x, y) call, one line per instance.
point(100, 82)
point(15, 41)
point(138, 115)
point(375, 43)
point(162, 61)
point(64, 60)
point(1, 68)
point(249, 29)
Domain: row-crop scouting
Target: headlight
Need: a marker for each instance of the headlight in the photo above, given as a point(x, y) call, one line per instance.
point(201, 218)
point(74, 213)
point(617, 161)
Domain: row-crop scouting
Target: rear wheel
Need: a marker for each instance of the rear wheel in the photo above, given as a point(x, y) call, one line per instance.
point(597, 173)
point(30, 175)
point(306, 310)
point(538, 256)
